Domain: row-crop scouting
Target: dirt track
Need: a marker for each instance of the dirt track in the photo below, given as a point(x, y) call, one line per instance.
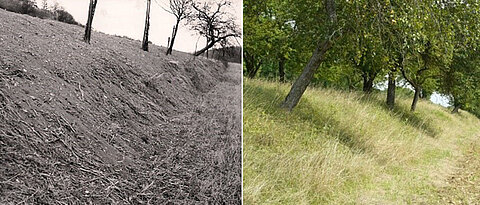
point(463, 187)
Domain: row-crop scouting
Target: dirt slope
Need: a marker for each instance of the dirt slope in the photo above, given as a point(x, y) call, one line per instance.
point(109, 123)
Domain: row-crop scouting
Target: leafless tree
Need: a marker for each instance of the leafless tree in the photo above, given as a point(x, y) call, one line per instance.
point(147, 25)
point(88, 27)
point(181, 10)
point(213, 21)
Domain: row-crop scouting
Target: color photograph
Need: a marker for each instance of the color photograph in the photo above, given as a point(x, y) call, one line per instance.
point(361, 102)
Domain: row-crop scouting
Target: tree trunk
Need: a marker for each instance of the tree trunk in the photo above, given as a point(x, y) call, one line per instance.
point(300, 85)
point(281, 69)
point(367, 84)
point(211, 43)
point(174, 34)
point(456, 108)
point(391, 90)
point(88, 27)
point(254, 70)
point(147, 25)
point(415, 98)
point(251, 65)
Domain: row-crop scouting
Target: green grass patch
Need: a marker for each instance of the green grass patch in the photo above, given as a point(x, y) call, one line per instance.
point(339, 147)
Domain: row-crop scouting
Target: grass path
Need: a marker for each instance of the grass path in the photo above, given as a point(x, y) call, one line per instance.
point(463, 187)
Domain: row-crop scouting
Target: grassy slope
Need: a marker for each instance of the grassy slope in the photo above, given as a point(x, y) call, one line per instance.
point(342, 148)
point(107, 123)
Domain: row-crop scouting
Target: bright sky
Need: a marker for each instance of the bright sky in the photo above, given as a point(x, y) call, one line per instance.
point(436, 98)
point(127, 18)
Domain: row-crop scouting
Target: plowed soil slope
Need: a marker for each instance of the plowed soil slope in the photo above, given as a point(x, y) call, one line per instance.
point(109, 123)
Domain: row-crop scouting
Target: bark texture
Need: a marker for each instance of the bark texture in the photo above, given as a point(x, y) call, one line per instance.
point(301, 84)
point(391, 90)
point(172, 41)
point(147, 26)
point(415, 99)
point(88, 27)
point(368, 83)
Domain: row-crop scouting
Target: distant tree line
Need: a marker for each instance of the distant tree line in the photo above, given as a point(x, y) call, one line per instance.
point(431, 45)
point(29, 7)
point(230, 54)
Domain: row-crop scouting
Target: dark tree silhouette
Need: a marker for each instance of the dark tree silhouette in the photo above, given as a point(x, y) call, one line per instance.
point(147, 25)
point(88, 27)
point(213, 22)
point(181, 10)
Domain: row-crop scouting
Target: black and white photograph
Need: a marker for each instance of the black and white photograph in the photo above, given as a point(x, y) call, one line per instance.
point(120, 102)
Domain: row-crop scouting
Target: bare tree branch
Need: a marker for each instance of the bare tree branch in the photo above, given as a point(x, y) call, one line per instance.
point(213, 21)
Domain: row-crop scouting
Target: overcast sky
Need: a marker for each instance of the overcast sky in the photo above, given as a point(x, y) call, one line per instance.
point(127, 18)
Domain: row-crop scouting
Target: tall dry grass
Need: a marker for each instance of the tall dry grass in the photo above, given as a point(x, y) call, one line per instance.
point(340, 147)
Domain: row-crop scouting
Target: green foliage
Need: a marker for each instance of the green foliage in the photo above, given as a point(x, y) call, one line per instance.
point(432, 43)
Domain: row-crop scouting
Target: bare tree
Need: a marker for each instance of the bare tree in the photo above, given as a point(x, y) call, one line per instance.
point(181, 10)
point(213, 22)
point(147, 25)
point(88, 27)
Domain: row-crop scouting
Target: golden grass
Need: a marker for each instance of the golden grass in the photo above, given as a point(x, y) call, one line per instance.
point(346, 148)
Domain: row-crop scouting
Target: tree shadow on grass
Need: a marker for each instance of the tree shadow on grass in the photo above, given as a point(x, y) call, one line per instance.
point(306, 112)
point(404, 114)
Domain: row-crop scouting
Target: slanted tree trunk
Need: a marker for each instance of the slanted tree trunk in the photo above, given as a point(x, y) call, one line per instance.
point(456, 108)
point(253, 71)
point(211, 43)
point(147, 26)
point(301, 84)
point(391, 90)
point(88, 27)
point(416, 86)
point(281, 68)
point(174, 34)
point(415, 98)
